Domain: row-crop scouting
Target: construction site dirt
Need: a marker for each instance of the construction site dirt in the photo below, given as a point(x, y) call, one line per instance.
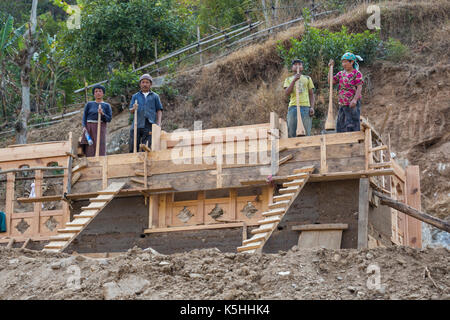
point(381, 273)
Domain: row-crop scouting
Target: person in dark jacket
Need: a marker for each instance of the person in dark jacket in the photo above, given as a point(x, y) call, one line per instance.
point(90, 120)
point(149, 111)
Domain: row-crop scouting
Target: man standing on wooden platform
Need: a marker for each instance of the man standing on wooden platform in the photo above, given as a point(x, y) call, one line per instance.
point(350, 82)
point(306, 99)
point(149, 111)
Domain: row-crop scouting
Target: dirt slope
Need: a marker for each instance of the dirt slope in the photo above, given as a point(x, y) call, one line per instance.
point(405, 273)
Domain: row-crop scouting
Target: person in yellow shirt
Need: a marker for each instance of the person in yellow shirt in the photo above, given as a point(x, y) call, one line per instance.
point(306, 99)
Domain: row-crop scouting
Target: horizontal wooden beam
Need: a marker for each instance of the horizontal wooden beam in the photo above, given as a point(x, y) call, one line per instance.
point(32, 169)
point(382, 147)
point(40, 199)
point(380, 165)
point(201, 227)
point(324, 226)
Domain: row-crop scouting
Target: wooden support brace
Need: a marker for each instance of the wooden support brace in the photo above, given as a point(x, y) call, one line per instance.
point(422, 216)
point(285, 159)
point(10, 243)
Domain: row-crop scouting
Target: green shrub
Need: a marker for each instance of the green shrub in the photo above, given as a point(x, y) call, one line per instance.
point(318, 46)
point(395, 50)
point(122, 81)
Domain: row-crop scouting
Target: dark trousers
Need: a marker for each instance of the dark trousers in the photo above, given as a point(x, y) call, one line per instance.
point(348, 119)
point(143, 136)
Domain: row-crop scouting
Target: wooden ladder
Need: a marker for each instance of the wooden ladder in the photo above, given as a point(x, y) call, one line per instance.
point(61, 241)
point(277, 210)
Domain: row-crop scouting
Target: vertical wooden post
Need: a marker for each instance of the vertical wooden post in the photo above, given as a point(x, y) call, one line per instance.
point(153, 211)
point(323, 155)
point(37, 205)
point(162, 212)
point(363, 213)
point(9, 205)
point(233, 204)
point(274, 142)
point(244, 231)
point(105, 172)
point(67, 184)
point(156, 137)
point(145, 169)
point(412, 198)
point(68, 187)
point(201, 206)
point(368, 147)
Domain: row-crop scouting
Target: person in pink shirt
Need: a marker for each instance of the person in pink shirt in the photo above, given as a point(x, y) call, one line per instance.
point(350, 82)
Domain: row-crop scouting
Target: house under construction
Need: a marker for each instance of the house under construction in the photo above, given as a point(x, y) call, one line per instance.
point(245, 189)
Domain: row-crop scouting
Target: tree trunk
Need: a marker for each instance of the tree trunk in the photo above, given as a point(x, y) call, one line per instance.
point(21, 124)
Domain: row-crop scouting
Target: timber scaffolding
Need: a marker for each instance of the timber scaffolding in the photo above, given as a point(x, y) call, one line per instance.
point(211, 188)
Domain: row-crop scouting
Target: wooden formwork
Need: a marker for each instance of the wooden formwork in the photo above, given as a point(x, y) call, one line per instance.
point(38, 158)
point(226, 177)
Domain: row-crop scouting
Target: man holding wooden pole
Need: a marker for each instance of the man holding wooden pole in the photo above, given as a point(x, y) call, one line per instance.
point(147, 109)
point(301, 100)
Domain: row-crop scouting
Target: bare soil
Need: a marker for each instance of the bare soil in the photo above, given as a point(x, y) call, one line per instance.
point(404, 273)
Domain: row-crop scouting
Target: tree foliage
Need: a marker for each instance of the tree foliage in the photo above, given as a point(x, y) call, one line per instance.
point(318, 46)
point(119, 31)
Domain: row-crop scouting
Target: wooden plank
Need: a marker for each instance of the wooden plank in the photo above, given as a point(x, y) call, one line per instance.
point(201, 227)
point(31, 169)
point(349, 175)
point(380, 165)
point(304, 169)
point(145, 169)
point(363, 213)
point(323, 155)
point(37, 206)
point(329, 239)
point(274, 143)
point(156, 137)
point(139, 181)
point(368, 146)
point(323, 226)
point(80, 166)
point(25, 243)
point(412, 195)
point(219, 177)
point(40, 199)
point(104, 172)
point(162, 211)
point(382, 147)
point(285, 159)
point(398, 170)
point(283, 128)
point(75, 178)
point(34, 151)
point(153, 211)
point(10, 243)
